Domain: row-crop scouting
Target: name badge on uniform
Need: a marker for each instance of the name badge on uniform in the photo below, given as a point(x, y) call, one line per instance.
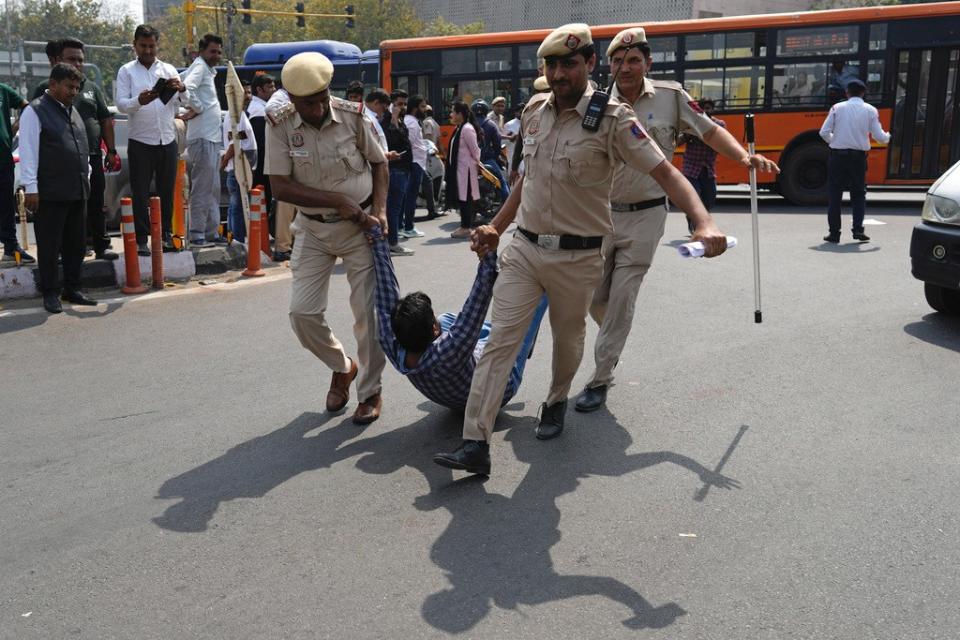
point(296, 153)
point(529, 141)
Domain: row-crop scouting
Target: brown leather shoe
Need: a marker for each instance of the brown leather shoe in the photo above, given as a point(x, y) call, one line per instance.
point(339, 393)
point(368, 410)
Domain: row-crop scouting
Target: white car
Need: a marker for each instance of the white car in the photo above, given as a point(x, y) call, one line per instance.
point(935, 245)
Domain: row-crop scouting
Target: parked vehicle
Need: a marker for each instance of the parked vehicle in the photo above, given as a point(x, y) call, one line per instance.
point(935, 245)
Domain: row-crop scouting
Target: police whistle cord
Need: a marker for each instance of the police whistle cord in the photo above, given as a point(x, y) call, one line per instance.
point(131, 261)
point(156, 244)
point(253, 269)
point(754, 218)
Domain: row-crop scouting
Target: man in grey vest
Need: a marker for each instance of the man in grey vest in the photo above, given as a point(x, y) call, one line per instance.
point(55, 172)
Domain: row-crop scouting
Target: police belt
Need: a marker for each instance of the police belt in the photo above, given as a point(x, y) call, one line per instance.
point(334, 217)
point(562, 242)
point(638, 206)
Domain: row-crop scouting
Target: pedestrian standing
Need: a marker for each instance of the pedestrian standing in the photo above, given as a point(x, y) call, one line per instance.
point(324, 157)
point(561, 206)
point(418, 168)
point(262, 88)
point(9, 100)
point(398, 142)
point(847, 130)
point(463, 156)
point(203, 142)
point(92, 107)
point(700, 162)
point(490, 144)
point(55, 167)
point(638, 201)
point(151, 107)
point(236, 220)
point(511, 134)
point(431, 129)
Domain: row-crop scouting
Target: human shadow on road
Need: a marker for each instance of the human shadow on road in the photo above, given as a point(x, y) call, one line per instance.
point(937, 329)
point(496, 549)
point(853, 247)
point(37, 317)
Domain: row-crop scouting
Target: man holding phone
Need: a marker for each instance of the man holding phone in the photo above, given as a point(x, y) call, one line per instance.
point(398, 145)
point(150, 93)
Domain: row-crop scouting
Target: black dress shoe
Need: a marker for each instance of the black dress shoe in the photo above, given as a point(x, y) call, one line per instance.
point(106, 254)
point(591, 399)
point(861, 236)
point(551, 420)
point(473, 456)
point(143, 249)
point(832, 237)
point(77, 297)
point(51, 302)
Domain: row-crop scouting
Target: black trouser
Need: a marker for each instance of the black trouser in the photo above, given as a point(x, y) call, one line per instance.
point(847, 169)
point(61, 230)
point(466, 213)
point(426, 189)
point(96, 221)
point(147, 162)
point(8, 207)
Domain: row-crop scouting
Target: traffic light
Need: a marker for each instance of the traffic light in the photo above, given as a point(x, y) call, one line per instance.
point(349, 12)
point(300, 21)
point(246, 16)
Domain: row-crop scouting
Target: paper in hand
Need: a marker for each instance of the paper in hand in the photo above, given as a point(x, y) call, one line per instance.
point(696, 249)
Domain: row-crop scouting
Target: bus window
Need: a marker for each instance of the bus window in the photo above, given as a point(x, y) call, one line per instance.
point(816, 41)
point(746, 44)
point(663, 49)
point(716, 46)
point(469, 90)
point(800, 85)
point(494, 59)
point(743, 87)
point(705, 83)
point(874, 80)
point(878, 36)
point(527, 54)
point(708, 46)
point(413, 85)
point(660, 73)
point(456, 61)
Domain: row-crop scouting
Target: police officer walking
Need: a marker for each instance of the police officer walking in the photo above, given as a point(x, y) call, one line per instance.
point(847, 130)
point(323, 156)
point(638, 202)
point(561, 206)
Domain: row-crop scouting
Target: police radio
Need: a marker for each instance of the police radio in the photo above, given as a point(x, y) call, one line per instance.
point(596, 107)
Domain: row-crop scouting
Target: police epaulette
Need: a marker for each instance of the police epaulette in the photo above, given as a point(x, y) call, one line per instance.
point(345, 105)
point(281, 113)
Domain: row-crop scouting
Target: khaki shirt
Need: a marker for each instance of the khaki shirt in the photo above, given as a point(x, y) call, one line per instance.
point(336, 157)
point(665, 110)
point(569, 170)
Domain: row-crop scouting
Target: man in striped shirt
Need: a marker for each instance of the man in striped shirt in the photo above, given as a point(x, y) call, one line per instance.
point(438, 354)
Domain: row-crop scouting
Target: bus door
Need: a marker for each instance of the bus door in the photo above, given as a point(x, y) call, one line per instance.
point(925, 138)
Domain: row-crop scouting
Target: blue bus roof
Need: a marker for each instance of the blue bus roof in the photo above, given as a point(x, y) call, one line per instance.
point(280, 52)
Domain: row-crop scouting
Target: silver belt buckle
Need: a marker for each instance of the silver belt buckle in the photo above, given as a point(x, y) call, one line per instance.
point(619, 207)
point(548, 241)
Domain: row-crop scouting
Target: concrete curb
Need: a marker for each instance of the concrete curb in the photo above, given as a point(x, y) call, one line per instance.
point(23, 282)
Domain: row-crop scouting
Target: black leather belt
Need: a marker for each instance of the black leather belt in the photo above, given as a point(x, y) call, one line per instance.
point(847, 151)
point(638, 206)
point(562, 242)
point(334, 217)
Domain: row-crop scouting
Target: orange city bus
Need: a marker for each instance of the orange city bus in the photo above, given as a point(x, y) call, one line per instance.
point(786, 68)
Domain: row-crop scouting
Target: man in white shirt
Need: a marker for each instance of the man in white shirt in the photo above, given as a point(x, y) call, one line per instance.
point(203, 142)
point(248, 145)
point(374, 106)
point(151, 107)
point(418, 151)
point(262, 87)
point(510, 132)
point(847, 130)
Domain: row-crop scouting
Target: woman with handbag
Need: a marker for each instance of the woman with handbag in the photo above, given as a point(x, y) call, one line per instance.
point(463, 155)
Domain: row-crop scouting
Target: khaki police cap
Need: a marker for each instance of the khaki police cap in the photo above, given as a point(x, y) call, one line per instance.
point(541, 84)
point(306, 74)
point(627, 38)
point(498, 100)
point(565, 40)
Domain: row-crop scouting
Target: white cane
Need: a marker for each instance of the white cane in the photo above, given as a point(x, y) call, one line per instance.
point(751, 148)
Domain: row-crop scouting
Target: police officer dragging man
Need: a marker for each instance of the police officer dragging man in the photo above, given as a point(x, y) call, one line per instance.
point(638, 201)
point(572, 144)
point(324, 157)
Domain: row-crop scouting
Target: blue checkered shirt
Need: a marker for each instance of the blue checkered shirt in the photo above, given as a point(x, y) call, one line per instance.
point(445, 369)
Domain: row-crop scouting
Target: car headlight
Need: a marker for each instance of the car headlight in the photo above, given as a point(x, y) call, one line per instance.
point(939, 209)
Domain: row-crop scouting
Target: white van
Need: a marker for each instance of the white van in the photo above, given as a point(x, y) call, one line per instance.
point(935, 245)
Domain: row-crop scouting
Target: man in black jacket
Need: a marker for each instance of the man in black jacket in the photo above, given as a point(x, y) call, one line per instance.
point(398, 142)
point(55, 171)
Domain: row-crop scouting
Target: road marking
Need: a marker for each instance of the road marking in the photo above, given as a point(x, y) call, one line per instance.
point(123, 300)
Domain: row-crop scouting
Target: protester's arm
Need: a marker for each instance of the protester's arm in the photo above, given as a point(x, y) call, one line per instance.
point(463, 335)
point(387, 294)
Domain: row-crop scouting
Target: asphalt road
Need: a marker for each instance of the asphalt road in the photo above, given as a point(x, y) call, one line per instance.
point(167, 469)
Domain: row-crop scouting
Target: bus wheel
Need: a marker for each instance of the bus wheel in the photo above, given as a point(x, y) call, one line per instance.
point(804, 178)
point(946, 301)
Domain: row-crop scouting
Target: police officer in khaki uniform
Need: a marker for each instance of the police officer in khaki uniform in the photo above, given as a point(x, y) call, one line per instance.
point(323, 156)
point(561, 209)
point(638, 202)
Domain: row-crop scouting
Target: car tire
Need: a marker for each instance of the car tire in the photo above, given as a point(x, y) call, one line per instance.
point(946, 301)
point(804, 178)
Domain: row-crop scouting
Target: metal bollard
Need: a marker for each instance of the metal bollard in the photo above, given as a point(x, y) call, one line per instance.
point(264, 226)
point(130, 259)
point(156, 243)
point(253, 239)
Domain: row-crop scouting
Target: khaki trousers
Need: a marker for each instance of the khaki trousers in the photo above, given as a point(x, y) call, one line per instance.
point(315, 253)
point(286, 212)
point(628, 256)
point(526, 272)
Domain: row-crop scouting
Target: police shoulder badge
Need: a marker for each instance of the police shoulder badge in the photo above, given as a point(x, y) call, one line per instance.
point(572, 42)
point(695, 106)
point(297, 139)
point(637, 130)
